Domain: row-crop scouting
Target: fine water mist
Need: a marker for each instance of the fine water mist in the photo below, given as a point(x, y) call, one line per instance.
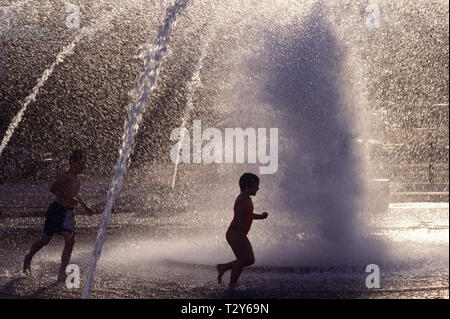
point(294, 77)
point(315, 70)
point(84, 33)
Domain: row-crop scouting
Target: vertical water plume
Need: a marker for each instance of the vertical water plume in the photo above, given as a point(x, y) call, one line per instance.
point(153, 54)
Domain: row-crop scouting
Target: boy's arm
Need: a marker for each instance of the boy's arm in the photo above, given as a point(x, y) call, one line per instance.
point(240, 210)
point(83, 203)
point(260, 216)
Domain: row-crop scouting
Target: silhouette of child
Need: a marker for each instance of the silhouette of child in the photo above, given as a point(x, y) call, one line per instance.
point(59, 218)
point(237, 231)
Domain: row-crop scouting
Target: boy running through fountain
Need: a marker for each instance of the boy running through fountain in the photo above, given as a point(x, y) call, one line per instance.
point(237, 231)
point(59, 218)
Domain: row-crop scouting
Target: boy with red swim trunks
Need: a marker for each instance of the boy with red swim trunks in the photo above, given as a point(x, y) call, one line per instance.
point(59, 218)
point(237, 231)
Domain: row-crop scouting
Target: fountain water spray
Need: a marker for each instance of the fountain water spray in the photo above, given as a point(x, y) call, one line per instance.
point(7, 11)
point(68, 50)
point(191, 88)
point(153, 54)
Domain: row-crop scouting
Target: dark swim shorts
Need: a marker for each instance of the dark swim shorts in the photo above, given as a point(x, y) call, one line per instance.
point(56, 220)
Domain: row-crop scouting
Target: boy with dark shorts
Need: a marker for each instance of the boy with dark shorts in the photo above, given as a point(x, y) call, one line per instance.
point(59, 218)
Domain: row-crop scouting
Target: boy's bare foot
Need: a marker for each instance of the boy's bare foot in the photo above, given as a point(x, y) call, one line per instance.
point(220, 271)
point(26, 265)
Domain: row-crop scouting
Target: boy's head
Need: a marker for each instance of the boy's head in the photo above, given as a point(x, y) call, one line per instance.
point(249, 182)
point(77, 161)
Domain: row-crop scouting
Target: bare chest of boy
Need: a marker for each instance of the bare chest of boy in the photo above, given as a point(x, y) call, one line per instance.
point(73, 186)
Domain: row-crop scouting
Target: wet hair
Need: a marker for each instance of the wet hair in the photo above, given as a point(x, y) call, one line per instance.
point(248, 180)
point(76, 156)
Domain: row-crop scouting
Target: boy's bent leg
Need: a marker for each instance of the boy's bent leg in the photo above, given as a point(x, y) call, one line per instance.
point(69, 241)
point(37, 245)
point(236, 272)
point(245, 257)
